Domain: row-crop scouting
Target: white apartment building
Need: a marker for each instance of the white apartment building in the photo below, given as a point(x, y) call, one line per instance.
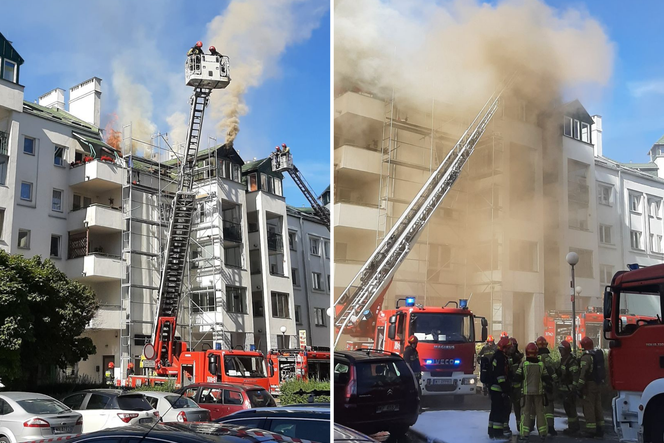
point(309, 243)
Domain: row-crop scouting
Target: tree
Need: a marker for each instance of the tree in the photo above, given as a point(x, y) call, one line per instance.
point(42, 317)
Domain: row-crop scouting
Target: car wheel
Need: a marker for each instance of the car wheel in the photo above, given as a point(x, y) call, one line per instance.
point(399, 430)
point(4, 439)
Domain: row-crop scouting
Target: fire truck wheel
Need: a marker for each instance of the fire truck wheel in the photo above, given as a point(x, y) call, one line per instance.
point(656, 425)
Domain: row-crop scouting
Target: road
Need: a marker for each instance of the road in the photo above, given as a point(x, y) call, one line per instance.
point(480, 403)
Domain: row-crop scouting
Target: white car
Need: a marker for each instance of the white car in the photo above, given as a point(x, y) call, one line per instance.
point(111, 408)
point(175, 407)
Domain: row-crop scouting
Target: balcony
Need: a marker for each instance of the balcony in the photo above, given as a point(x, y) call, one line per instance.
point(11, 96)
point(275, 242)
point(95, 267)
point(345, 271)
point(98, 218)
point(108, 317)
point(232, 231)
point(96, 175)
point(355, 216)
point(4, 143)
point(357, 164)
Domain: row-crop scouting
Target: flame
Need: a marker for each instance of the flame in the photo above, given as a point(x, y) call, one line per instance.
point(113, 138)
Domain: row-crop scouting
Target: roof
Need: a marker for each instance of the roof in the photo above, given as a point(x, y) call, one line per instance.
point(640, 165)
point(96, 143)
point(367, 354)
point(660, 141)
point(18, 395)
point(7, 51)
point(222, 150)
point(58, 115)
point(305, 212)
point(577, 110)
point(254, 165)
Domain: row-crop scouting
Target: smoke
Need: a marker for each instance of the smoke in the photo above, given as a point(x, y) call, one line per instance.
point(135, 107)
point(178, 132)
point(255, 34)
point(460, 52)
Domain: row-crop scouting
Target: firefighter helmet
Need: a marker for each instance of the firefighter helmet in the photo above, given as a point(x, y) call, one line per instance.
point(531, 350)
point(503, 343)
point(283, 145)
point(199, 44)
point(212, 49)
point(130, 365)
point(489, 339)
point(111, 365)
point(504, 335)
point(513, 342)
point(565, 344)
point(412, 340)
point(587, 344)
point(568, 339)
point(541, 342)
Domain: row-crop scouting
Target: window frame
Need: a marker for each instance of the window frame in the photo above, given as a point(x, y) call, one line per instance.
point(243, 299)
point(34, 140)
point(635, 198)
point(62, 198)
point(15, 70)
point(298, 314)
point(63, 157)
point(2, 221)
point(638, 236)
point(292, 245)
point(323, 314)
point(658, 207)
point(602, 234)
point(280, 299)
point(314, 241)
point(600, 194)
point(295, 277)
point(567, 120)
point(317, 283)
point(4, 169)
point(59, 252)
point(27, 245)
point(585, 126)
point(31, 185)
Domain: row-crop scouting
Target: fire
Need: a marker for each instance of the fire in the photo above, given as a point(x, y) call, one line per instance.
point(112, 136)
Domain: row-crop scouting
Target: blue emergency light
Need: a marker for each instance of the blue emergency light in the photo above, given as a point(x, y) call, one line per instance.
point(463, 303)
point(633, 266)
point(410, 301)
point(457, 362)
point(428, 362)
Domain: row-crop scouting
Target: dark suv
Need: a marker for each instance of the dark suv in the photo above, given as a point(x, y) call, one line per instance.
point(374, 391)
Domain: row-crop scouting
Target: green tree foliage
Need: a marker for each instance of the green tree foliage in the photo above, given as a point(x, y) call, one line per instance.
point(42, 317)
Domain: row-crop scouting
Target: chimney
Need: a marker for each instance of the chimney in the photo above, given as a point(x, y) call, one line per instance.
point(85, 101)
point(597, 135)
point(53, 99)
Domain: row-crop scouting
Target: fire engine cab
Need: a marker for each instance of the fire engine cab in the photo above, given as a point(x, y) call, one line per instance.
point(285, 364)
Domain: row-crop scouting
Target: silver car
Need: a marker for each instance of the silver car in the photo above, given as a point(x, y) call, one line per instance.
point(175, 407)
point(27, 416)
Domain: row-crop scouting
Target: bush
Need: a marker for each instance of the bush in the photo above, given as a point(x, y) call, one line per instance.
point(166, 387)
point(298, 391)
point(60, 389)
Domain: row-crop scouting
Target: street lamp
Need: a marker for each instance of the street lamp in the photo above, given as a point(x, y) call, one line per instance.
point(573, 258)
point(283, 336)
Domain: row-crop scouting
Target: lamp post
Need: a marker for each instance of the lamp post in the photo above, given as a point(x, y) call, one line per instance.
point(283, 336)
point(573, 258)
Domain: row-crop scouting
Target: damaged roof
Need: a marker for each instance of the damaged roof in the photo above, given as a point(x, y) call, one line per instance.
point(576, 110)
point(59, 116)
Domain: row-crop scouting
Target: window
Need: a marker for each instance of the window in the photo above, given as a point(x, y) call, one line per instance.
point(635, 239)
point(236, 300)
point(26, 191)
point(635, 202)
point(81, 202)
point(568, 126)
point(315, 246)
point(59, 156)
point(203, 300)
point(295, 277)
point(576, 129)
point(257, 303)
point(5, 408)
point(55, 246)
point(317, 281)
point(211, 395)
point(9, 72)
point(264, 185)
point(605, 234)
point(605, 274)
point(23, 239)
point(298, 314)
point(292, 238)
point(97, 401)
point(233, 257)
point(659, 243)
point(584, 268)
point(524, 256)
point(280, 305)
point(252, 183)
point(326, 247)
point(74, 401)
point(232, 397)
point(585, 132)
point(277, 187)
point(2, 221)
point(655, 243)
point(29, 145)
point(604, 193)
point(320, 316)
point(56, 202)
point(3, 169)
point(654, 206)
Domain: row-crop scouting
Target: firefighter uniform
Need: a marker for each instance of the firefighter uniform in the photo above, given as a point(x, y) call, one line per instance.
point(590, 396)
point(550, 379)
point(530, 374)
point(515, 392)
point(567, 386)
point(484, 358)
point(499, 394)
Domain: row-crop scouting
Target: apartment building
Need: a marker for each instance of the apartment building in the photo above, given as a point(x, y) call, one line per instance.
point(309, 244)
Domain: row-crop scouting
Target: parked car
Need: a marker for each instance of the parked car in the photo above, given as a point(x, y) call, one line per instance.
point(344, 434)
point(303, 421)
point(183, 433)
point(174, 407)
point(374, 391)
point(223, 399)
point(26, 416)
point(109, 408)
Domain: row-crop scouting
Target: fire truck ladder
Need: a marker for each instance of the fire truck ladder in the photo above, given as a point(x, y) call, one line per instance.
point(376, 273)
point(175, 260)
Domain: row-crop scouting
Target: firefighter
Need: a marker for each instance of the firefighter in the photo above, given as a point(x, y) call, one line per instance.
point(515, 357)
point(531, 374)
point(499, 391)
point(504, 335)
point(197, 49)
point(411, 356)
point(213, 51)
point(550, 379)
point(130, 369)
point(588, 390)
point(286, 148)
point(567, 385)
point(484, 359)
point(109, 376)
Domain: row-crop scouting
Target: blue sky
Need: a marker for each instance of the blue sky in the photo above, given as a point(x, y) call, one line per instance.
point(286, 49)
point(631, 105)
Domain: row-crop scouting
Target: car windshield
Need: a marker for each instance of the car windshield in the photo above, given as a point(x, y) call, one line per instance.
point(244, 366)
point(181, 402)
point(379, 374)
point(438, 327)
point(260, 398)
point(42, 406)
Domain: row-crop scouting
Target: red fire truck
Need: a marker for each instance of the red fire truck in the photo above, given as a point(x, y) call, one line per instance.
point(558, 326)
point(636, 356)
point(284, 364)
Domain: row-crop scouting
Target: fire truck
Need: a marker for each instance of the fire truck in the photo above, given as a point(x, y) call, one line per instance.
point(558, 326)
point(447, 353)
point(636, 355)
point(285, 364)
point(173, 361)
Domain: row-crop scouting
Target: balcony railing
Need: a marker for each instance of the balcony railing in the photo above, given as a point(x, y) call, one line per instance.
point(4, 143)
point(275, 242)
point(232, 231)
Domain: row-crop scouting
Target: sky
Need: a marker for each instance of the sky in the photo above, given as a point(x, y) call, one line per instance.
point(631, 104)
point(279, 57)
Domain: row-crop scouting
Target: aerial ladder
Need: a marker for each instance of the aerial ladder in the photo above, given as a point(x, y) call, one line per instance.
point(282, 160)
point(204, 73)
point(355, 302)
